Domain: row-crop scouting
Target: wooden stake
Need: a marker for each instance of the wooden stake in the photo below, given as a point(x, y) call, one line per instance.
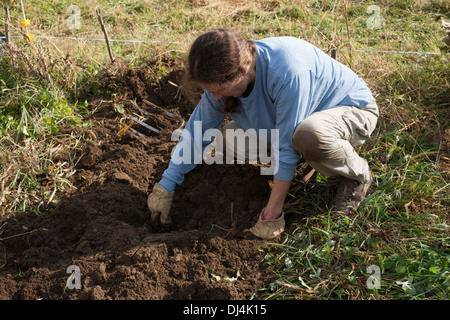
point(348, 33)
point(7, 19)
point(333, 53)
point(100, 19)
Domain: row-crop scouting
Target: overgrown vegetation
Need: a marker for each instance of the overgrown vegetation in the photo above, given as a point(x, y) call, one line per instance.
point(402, 230)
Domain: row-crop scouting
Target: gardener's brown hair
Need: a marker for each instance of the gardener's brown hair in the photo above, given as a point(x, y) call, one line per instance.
point(218, 56)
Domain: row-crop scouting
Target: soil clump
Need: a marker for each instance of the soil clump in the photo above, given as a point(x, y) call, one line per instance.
point(102, 225)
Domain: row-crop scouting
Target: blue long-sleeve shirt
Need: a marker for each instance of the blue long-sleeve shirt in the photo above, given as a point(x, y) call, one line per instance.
point(293, 80)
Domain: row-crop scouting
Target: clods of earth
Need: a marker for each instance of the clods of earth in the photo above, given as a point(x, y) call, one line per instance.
point(100, 229)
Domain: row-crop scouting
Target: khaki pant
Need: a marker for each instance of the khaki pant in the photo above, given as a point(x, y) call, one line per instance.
point(326, 140)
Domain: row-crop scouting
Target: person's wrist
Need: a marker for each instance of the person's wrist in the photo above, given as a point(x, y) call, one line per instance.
point(271, 213)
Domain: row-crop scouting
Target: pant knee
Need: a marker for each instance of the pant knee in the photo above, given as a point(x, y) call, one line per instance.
point(307, 143)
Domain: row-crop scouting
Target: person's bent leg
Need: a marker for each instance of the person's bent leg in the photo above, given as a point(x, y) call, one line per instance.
point(326, 141)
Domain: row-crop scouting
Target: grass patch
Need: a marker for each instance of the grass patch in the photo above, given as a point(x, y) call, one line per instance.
point(36, 108)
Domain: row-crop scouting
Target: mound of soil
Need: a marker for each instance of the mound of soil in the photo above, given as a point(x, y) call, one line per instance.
point(102, 225)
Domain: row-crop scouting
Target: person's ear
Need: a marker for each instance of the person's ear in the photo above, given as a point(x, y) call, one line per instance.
point(243, 70)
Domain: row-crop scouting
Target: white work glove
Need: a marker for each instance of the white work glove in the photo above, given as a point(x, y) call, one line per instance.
point(159, 203)
point(268, 229)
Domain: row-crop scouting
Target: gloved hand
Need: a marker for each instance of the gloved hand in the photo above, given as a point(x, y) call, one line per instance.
point(159, 203)
point(268, 229)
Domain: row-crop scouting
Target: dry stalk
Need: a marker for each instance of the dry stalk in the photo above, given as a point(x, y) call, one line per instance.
point(23, 234)
point(32, 158)
point(294, 287)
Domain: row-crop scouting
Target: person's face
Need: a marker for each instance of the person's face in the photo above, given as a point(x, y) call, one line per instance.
point(228, 89)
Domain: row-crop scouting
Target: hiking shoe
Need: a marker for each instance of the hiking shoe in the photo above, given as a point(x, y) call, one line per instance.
point(350, 194)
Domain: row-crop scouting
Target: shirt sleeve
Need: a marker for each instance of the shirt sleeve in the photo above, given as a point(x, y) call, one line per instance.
point(292, 101)
point(189, 150)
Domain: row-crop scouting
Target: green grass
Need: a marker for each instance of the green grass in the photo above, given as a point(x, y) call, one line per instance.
point(35, 107)
point(403, 226)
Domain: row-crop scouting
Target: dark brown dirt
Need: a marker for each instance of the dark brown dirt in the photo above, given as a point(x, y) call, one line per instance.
point(102, 225)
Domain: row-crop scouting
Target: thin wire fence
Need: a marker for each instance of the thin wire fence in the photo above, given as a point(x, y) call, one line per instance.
point(107, 39)
point(188, 43)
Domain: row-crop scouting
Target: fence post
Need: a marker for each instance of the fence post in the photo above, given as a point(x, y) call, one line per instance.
point(7, 19)
point(100, 19)
point(333, 53)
